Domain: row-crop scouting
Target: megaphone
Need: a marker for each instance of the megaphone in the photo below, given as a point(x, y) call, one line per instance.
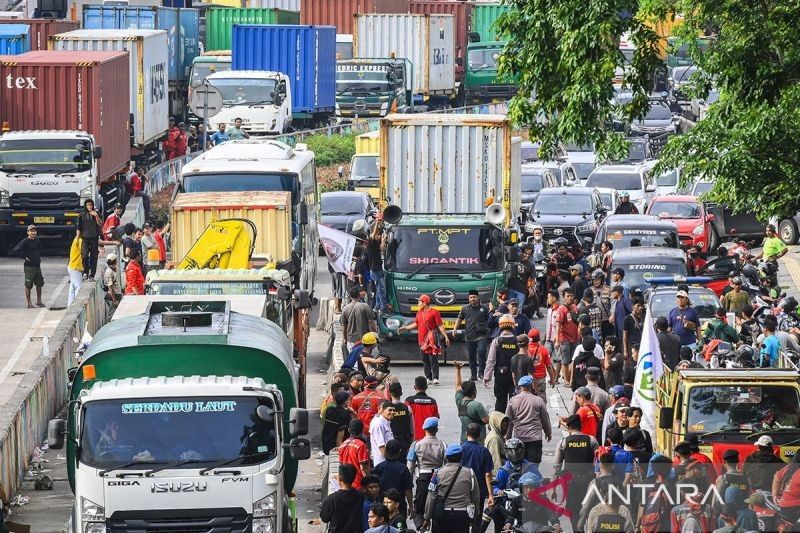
point(392, 214)
point(495, 214)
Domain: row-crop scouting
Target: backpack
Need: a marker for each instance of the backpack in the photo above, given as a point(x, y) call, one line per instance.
point(655, 507)
point(513, 477)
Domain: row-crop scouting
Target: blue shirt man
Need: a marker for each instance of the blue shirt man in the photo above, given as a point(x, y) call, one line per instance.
point(770, 347)
point(622, 308)
point(680, 318)
point(220, 136)
point(478, 458)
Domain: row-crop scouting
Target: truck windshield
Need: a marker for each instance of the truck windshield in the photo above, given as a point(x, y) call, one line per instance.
point(563, 204)
point(175, 429)
point(365, 167)
point(532, 182)
point(239, 91)
point(242, 182)
point(361, 81)
point(200, 71)
point(44, 155)
point(445, 248)
point(705, 302)
point(622, 181)
point(742, 408)
point(484, 59)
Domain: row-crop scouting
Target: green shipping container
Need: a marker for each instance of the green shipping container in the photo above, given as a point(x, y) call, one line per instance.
point(483, 19)
point(220, 21)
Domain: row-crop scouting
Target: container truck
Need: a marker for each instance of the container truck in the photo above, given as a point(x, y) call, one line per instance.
point(184, 418)
point(266, 165)
point(311, 67)
point(462, 13)
point(14, 39)
point(365, 165)
point(68, 117)
point(340, 13)
point(262, 99)
point(438, 174)
point(203, 66)
point(426, 41)
point(344, 46)
point(367, 88)
point(182, 27)
point(40, 30)
point(147, 57)
point(481, 81)
point(220, 22)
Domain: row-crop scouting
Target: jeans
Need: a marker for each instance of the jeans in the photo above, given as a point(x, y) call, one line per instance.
point(89, 254)
point(518, 295)
point(75, 280)
point(380, 289)
point(430, 364)
point(477, 356)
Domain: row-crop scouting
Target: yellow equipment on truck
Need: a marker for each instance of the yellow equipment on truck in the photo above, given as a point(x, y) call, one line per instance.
point(223, 244)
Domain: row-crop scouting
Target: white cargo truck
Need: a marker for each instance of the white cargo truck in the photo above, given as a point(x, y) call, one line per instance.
point(262, 99)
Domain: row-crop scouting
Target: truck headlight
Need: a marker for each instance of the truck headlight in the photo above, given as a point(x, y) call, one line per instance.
point(86, 192)
point(586, 228)
point(94, 527)
point(5, 198)
point(93, 516)
point(697, 231)
point(264, 525)
point(392, 323)
point(265, 506)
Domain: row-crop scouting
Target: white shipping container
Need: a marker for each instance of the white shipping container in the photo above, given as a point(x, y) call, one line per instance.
point(435, 163)
point(427, 41)
point(148, 58)
point(286, 5)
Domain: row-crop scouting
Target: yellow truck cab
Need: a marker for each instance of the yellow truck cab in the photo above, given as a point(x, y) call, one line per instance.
point(364, 166)
point(728, 409)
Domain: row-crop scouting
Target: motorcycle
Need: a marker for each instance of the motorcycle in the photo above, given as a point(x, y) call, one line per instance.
point(769, 514)
point(526, 516)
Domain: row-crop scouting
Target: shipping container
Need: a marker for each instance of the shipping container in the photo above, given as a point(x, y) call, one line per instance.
point(286, 5)
point(220, 21)
point(14, 39)
point(42, 29)
point(177, 3)
point(462, 11)
point(427, 41)
point(107, 17)
point(449, 163)
point(484, 15)
point(149, 105)
point(311, 66)
point(368, 143)
point(192, 212)
point(84, 91)
point(75, 7)
point(340, 13)
point(189, 26)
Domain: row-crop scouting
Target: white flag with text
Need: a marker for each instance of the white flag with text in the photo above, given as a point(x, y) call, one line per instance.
point(338, 246)
point(649, 369)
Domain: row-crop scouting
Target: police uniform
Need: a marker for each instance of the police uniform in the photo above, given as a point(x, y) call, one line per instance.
point(576, 451)
point(427, 455)
point(462, 500)
point(506, 347)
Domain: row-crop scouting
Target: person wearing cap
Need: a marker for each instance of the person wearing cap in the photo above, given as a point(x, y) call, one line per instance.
point(475, 317)
point(687, 451)
point(772, 248)
point(575, 455)
point(719, 328)
point(337, 508)
point(618, 400)
point(684, 320)
point(394, 474)
point(403, 422)
point(521, 364)
point(460, 491)
point(427, 322)
point(375, 245)
point(479, 459)
point(541, 364)
point(761, 466)
point(577, 283)
point(357, 319)
point(522, 272)
point(498, 364)
point(423, 458)
point(367, 403)
point(111, 281)
point(521, 320)
point(529, 420)
point(336, 421)
point(29, 250)
point(625, 206)
point(370, 360)
point(134, 279)
point(566, 334)
point(731, 476)
point(589, 413)
point(735, 300)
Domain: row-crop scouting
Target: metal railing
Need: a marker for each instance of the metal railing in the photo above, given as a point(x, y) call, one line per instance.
point(161, 176)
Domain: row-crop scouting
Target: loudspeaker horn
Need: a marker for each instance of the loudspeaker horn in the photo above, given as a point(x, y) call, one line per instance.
point(496, 214)
point(392, 214)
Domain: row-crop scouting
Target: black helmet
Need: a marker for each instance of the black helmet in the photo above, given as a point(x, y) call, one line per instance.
point(750, 272)
point(789, 305)
point(745, 352)
point(515, 450)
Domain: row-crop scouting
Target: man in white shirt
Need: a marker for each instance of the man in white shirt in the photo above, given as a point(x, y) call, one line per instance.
point(380, 431)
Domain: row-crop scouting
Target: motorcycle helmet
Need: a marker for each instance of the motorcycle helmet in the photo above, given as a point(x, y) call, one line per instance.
point(506, 321)
point(790, 305)
point(598, 274)
point(750, 272)
point(515, 450)
point(530, 479)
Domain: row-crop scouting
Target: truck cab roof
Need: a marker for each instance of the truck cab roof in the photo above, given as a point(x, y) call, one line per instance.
point(739, 376)
point(250, 155)
point(180, 386)
point(38, 134)
point(424, 219)
point(652, 254)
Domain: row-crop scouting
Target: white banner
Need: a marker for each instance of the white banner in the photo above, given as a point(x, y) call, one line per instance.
point(649, 369)
point(339, 247)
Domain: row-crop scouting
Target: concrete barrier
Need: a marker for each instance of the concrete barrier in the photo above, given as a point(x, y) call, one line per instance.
point(43, 391)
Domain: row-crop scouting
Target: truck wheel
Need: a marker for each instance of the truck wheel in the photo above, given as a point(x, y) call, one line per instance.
point(787, 230)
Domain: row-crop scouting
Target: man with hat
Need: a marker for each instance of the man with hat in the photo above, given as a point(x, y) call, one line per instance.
point(575, 454)
point(528, 420)
point(618, 400)
point(689, 451)
point(523, 323)
point(761, 466)
point(498, 364)
point(426, 322)
point(424, 457)
point(370, 360)
point(684, 320)
point(737, 299)
point(475, 317)
point(732, 477)
point(111, 281)
point(458, 488)
point(578, 285)
point(29, 250)
point(589, 413)
point(625, 206)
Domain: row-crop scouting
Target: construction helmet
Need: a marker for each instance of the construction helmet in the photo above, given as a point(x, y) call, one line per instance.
point(369, 339)
point(507, 321)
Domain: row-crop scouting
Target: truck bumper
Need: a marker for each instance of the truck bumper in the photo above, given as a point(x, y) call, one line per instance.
point(491, 93)
point(12, 220)
point(404, 347)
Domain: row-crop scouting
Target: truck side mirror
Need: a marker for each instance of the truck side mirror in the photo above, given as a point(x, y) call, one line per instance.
point(300, 449)
point(302, 300)
point(298, 422)
point(71, 373)
point(97, 152)
point(303, 214)
point(56, 432)
point(665, 418)
point(473, 37)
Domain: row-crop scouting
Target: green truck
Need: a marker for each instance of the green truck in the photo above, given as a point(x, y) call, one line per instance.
point(441, 239)
point(481, 81)
point(369, 88)
point(184, 417)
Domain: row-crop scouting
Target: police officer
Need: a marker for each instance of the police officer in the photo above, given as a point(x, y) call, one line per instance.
point(503, 348)
point(575, 455)
point(458, 487)
point(425, 456)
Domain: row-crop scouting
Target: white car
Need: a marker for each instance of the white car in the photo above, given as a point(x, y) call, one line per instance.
point(609, 198)
point(699, 106)
point(636, 179)
point(583, 163)
point(668, 182)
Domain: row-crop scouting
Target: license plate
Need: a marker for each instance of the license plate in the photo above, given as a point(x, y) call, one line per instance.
point(44, 220)
point(448, 324)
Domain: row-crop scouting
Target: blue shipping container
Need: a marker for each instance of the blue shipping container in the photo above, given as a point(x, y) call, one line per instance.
point(14, 39)
point(307, 54)
point(189, 25)
point(152, 18)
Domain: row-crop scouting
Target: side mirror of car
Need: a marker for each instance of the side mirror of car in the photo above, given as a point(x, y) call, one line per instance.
point(650, 188)
point(710, 218)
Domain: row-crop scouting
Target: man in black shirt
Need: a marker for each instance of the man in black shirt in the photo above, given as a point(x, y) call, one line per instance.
point(89, 228)
point(28, 248)
point(578, 283)
point(375, 264)
point(475, 316)
point(625, 207)
point(632, 329)
point(521, 273)
point(669, 343)
point(342, 510)
point(402, 424)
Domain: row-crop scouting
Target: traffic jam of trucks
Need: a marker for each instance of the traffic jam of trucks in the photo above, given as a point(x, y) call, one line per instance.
point(189, 410)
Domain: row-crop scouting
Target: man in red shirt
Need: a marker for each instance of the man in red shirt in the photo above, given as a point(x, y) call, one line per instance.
point(173, 140)
point(422, 406)
point(590, 414)
point(542, 365)
point(113, 221)
point(134, 279)
point(566, 334)
point(426, 322)
point(366, 402)
point(354, 451)
point(161, 230)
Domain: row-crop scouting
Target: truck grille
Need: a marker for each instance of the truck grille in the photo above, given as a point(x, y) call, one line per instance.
point(500, 90)
point(552, 232)
point(45, 201)
point(226, 520)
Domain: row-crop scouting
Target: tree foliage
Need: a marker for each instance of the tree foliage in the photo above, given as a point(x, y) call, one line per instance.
point(566, 53)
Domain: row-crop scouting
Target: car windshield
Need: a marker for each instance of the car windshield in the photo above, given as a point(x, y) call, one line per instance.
point(658, 112)
point(638, 274)
point(444, 248)
point(705, 302)
point(529, 151)
point(563, 204)
point(702, 187)
point(341, 205)
point(365, 167)
point(532, 182)
point(240, 91)
point(606, 200)
point(633, 237)
point(200, 71)
point(224, 182)
point(675, 209)
point(575, 147)
point(682, 74)
point(622, 181)
point(166, 430)
point(669, 179)
point(361, 79)
point(742, 408)
point(44, 155)
point(583, 169)
point(483, 59)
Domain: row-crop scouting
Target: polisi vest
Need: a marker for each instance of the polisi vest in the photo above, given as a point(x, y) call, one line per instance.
point(578, 453)
point(507, 348)
point(610, 522)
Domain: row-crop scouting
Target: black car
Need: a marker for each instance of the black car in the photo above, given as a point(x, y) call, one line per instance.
point(644, 263)
point(341, 208)
point(630, 231)
point(532, 180)
point(569, 212)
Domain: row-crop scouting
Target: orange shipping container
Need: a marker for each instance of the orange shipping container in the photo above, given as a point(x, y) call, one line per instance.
point(42, 29)
point(340, 13)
